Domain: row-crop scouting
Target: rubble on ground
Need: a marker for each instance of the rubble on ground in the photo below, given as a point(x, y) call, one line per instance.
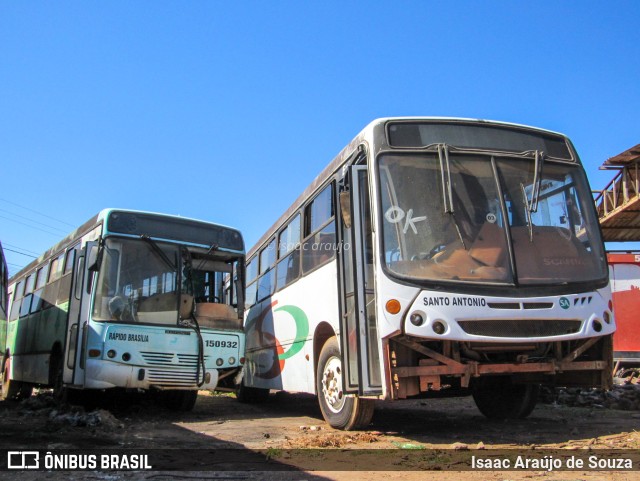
point(61, 414)
point(625, 397)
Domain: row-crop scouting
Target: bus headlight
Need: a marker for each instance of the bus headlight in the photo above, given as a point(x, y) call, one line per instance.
point(416, 319)
point(439, 327)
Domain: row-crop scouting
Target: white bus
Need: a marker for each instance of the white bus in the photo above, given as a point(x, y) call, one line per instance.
point(131, 300)
point(433, 257)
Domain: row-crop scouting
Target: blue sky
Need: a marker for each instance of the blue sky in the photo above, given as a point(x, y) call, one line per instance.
point(226, 111)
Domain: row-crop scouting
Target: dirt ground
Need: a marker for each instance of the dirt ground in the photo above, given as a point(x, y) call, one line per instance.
point(286, 439)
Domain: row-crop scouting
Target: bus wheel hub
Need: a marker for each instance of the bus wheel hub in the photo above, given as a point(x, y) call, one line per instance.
point(332, 384)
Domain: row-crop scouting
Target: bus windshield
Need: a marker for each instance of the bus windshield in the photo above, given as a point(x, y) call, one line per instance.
point(144, 281)
point(473, 217)
point(138, 282)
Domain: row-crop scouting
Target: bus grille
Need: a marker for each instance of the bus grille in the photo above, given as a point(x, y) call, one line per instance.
point(172, 370)
point(170, 359)
point(173, 378)
point(521, 328)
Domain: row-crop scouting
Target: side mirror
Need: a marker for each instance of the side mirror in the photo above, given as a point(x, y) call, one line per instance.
point(345, 208)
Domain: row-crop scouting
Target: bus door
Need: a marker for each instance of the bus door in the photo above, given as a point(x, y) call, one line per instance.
point(359, 336)
point(79, 305)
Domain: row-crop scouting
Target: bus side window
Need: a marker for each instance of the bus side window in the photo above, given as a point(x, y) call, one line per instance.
point(41, 278)
point(252, 285)
point(25, 307)
point(266, 283)
point(29, 284)
point(288, 268)
point(68, 261)
point(251, 295)
point(50, 291)
point(64, 289)
point(56, 268)
point(3, 286)
point(319, 245)
point(252, 270)
point(16, 301)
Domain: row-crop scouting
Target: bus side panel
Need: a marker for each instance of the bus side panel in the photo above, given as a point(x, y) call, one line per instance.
point(4, 300)
point(4, 327)
point(280, 332)
point(625, 283)
point(12, 344)
point(32, 357)
point(34, 337)
point(18, 348)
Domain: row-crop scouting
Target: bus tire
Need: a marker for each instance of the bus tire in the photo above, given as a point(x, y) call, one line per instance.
point(56, 367)
point(340, 411)
point(497, 397)
point(180, 400)
point(251, 395)
point(11, 389)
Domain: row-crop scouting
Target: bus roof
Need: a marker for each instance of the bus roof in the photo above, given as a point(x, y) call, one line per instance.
point(384, 120)
point(85, 228)
point(347, 151)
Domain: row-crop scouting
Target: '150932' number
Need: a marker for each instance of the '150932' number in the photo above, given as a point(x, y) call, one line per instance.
point(216, 343)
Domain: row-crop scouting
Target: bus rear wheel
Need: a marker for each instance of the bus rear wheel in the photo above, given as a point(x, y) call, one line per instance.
point(11, 389)
point(499, 398)
point(56, 370)
point(341, 411)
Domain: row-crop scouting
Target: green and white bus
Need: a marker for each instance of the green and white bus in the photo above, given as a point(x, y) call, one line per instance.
point(433, 257)
point(131, 300)
point(4, 299)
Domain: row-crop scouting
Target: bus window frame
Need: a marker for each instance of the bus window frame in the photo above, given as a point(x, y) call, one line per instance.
point(55, 270)
point(268, 270)
point(317, 263)
point(290, 254)
point(251, 283)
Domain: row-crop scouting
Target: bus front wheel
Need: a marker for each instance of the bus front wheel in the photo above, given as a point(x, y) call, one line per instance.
point(180, 400)
point(11, 389)
point(341, 411)
point(499, 398)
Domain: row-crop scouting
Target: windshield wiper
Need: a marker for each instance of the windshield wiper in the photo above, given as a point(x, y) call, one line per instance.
point(212, 247)
point(158, 251)
point(447, 189)
point(532, 205)
point(527, 210)
point(537, 180)
point(447, 194)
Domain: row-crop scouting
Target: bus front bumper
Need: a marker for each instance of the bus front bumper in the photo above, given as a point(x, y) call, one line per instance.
point(101, 374)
